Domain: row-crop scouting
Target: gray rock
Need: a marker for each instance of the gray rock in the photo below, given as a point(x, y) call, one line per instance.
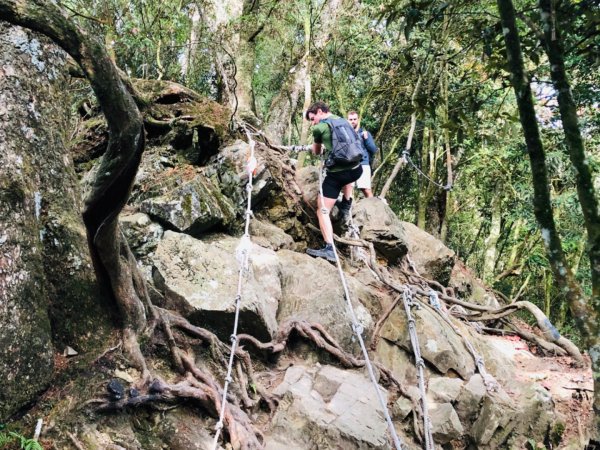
point(143, 236)
point(440, 345)
point(330, 408)
point(46, 274)
point(443, 390)
point(193, 208)
point(445, 423)
point(397, 359)
point(430, 256)
point(402, 408)
point(200, 280)
point(496, 421)
point(307, 179)
point(229, 166)
point(470, 288)
point(312, 291)
point(379, 224)
point(470, 398)
point(270, 236)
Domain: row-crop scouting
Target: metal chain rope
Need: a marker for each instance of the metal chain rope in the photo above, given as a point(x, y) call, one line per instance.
point(356, 327)
point(242, 256)
point(406, 156)
point(419, 363)
point(489, 381)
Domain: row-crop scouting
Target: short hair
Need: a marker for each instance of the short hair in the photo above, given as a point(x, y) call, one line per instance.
point(352, 112)
point(314, 107)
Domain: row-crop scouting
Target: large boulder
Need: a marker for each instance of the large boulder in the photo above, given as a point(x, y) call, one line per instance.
point(312, 291)
point(380, 225)
point(229, 167)
point(193, 207)
point(440, 345)
point(430, 256)
point(200, 279)
point(270, 236)
point(468, 287)
point(325, 407)
point(445, 424)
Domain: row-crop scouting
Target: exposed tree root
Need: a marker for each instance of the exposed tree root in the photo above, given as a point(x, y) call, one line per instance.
point(422, 286)
point(316, 334)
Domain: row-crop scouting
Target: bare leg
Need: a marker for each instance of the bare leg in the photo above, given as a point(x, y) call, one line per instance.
point(348, 190)
point(324, 219)
point(367, 193)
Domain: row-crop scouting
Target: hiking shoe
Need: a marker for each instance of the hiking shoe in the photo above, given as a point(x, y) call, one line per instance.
point(325, 252)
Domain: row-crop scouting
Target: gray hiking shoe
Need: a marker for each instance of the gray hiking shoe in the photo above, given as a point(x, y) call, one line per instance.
point(325, 252)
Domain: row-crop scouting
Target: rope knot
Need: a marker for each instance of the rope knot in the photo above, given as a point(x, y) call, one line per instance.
point(358, 328)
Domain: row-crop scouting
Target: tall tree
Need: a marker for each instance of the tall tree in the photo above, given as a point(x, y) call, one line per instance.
point(585, 310)
point(317, 31)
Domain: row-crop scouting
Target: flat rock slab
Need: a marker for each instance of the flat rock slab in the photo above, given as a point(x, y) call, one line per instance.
point(325, 407)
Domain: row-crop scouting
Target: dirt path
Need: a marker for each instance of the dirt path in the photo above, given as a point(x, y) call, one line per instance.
point(571, 388)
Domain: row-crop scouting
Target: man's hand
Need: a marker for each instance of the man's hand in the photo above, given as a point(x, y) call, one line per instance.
point(365, 134)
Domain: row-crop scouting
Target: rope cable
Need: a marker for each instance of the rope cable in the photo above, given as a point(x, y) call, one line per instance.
point(242, 256)
point(406, 156)
point(356, 327)
point(419, 363)
point(489, 381)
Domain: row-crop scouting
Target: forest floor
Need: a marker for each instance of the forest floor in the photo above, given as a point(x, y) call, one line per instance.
point(571, 387)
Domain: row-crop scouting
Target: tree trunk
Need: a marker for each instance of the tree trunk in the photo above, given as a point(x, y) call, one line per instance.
point(590, 326)
point(491, 242)
point(308, 79)
point(234, 54)
point(285, 103)
point(189, 56)
point(110, 189)
point(541, 202)
point(423, 191)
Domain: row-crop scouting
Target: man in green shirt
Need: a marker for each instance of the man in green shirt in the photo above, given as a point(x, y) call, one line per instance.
point(339, 178)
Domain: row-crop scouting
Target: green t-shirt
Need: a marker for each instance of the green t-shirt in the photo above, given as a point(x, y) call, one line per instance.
point(322, 135)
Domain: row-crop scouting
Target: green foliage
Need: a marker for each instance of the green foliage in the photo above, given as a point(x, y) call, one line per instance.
point(13, 440)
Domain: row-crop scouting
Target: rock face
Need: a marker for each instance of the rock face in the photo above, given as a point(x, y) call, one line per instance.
point(381, 226)
point(194, 207)
point(44, 261)
point(200, 280)
point(440, 345)
point(311, 290)
point(431, 257)
point(188, 184)
point(325, 407)
point(469, 287)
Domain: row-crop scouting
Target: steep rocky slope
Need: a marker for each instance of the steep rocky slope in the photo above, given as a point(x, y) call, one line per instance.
point(310, 388)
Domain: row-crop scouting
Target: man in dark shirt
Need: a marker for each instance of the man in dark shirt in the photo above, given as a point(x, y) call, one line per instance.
point(364, 182)
point(338, 178)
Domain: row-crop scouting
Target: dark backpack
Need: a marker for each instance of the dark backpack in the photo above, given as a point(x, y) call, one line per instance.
point(347, 146)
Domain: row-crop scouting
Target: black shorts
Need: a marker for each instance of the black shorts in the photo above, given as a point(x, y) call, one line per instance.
point(335, 181)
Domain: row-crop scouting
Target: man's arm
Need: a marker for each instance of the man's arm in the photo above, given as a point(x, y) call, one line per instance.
point(370, 144)
point(317, 147)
